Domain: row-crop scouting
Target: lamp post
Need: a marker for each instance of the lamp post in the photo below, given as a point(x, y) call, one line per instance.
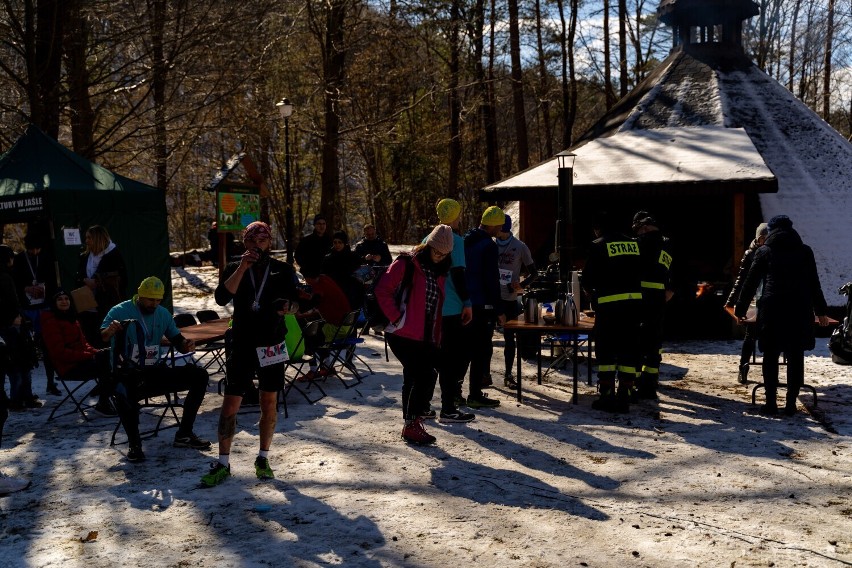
point(285, 108)
point(565, 212)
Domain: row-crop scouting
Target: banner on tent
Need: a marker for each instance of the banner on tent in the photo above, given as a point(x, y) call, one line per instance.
point(30, 205)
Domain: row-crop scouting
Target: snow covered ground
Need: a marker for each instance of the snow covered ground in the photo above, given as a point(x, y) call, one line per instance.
point(698, 479)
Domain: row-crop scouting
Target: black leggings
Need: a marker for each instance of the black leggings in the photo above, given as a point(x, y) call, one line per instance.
point(795, 374)
point(419, 373)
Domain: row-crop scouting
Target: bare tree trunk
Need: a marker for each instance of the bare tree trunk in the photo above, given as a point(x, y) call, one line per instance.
point(806, 52)
point(609, 92)
point(826, 76)
point(454, 103)
point(44, 28)
point(762, 41)
point(82, 115)
point(334, 73)
point(572, 71)
point(791, 69)
point(518, 87)
point(492, 148)
point(622, 47)
point(544, 84)
point(482, 85)
point(567, 31)
point(158, 80)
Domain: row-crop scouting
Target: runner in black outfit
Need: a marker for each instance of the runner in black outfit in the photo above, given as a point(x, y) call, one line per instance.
point(261, 289)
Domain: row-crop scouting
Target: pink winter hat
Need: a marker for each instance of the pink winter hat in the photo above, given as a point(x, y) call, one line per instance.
point(441, 239)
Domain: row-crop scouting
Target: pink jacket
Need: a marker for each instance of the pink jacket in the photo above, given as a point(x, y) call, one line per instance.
point(408, 319)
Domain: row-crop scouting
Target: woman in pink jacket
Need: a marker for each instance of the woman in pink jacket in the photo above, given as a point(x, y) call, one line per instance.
point(411, 295)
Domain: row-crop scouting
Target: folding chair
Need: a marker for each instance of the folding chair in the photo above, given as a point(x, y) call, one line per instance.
point(297, 364)
point(122, 363)
point(207, 315)
point(341, 347)
point(185, 320)
point(81, 404)
point(566, 342)
point(212, 354)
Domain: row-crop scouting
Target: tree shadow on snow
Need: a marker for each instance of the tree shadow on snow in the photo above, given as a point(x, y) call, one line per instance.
point(482, 484)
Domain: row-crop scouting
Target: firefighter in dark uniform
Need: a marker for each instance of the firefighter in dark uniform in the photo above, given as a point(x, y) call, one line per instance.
point(656, 254)
point(611, 278)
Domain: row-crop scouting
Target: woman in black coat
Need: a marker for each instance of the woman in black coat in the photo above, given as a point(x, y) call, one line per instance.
point(101, 267)
point(785, 312)
point(750, 338)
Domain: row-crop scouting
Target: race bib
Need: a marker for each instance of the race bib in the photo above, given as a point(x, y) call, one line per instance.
point(152, 355)
point(272, 355)
point(505, 276)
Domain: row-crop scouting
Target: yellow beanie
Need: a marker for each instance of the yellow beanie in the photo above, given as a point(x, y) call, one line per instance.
point(448, 210)
point(493, 217)
point(151, 287)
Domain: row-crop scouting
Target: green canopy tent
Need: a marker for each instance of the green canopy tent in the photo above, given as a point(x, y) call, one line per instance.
point(41, 181)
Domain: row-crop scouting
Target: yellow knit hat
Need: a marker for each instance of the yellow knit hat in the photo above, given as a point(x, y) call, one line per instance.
point(448, 210)
point(493, 217)
point(151, 287)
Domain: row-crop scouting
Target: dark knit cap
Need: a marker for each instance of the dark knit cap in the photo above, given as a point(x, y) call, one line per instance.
point(780, 222)
point(643, 218)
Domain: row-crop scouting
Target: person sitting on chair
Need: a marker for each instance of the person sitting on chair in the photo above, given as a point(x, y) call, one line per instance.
point(143, 322)
point(326, 300)
point(68, 350)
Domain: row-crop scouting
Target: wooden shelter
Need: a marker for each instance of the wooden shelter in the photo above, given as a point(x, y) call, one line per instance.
point(708, 143)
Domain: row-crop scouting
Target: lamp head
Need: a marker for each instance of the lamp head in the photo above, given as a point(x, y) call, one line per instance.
point(285, 107)
point(565, 159)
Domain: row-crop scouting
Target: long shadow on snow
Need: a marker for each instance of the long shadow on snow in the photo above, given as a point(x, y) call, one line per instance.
point(465, 479)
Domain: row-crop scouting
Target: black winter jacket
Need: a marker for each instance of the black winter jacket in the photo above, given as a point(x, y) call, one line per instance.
point(745, 264)
point(612, 274)
point(792, 294)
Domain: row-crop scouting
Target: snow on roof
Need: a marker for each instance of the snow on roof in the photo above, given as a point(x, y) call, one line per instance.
point(813, 164)
point(665, 155)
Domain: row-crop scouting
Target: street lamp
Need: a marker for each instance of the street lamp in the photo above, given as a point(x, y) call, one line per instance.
point(565, 213)
point(285, 108)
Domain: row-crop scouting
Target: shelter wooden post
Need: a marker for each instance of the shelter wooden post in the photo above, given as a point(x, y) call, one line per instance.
point(739, 226)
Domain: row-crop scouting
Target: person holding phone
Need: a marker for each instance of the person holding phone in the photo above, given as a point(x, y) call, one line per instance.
point(262, 290)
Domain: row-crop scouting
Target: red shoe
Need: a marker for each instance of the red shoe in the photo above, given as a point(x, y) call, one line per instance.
point(327, 373)
point(415, 433)
point(307, 377)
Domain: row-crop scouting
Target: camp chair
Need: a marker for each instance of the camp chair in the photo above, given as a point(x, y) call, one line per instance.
point(295, 377)
point(82, 384)
point(185, 320)
point(159, 405)
point(207, 315)
point(340, 345)
point(212, 354)
point(567, 343)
